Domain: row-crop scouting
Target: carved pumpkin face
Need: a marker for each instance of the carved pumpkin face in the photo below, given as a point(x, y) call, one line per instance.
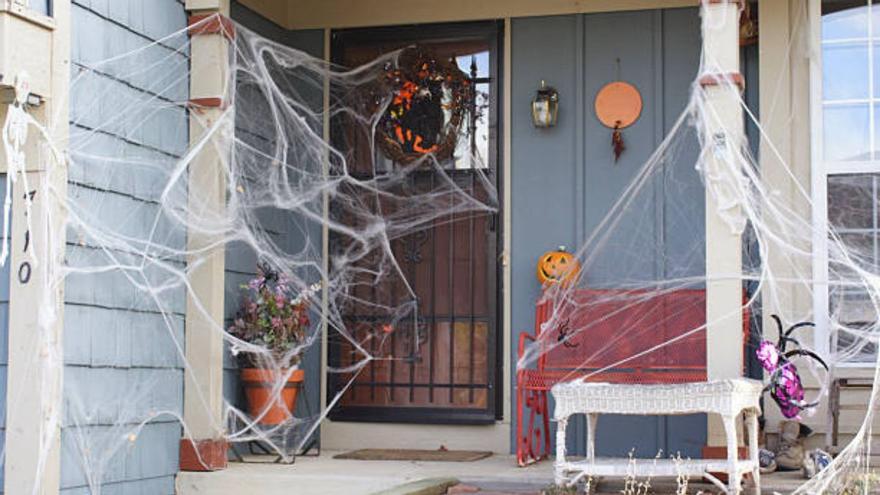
point(557, 266)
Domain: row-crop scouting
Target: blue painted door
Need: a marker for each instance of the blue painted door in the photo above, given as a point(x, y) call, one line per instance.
point(565, 179)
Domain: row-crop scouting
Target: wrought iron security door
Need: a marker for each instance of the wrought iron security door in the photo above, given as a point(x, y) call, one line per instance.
point(438, 353)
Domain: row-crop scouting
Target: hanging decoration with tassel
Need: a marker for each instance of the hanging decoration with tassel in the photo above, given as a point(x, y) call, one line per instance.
point(618, 105)
point(617, 141)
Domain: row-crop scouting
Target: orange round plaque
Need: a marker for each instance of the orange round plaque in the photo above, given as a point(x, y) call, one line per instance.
point(618, 104)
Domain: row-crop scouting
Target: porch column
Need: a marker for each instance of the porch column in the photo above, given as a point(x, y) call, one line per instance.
point(39, 65)
point(723, 135)
point(203, 412)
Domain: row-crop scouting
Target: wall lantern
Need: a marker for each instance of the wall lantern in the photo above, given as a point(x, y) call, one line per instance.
point(545, 106)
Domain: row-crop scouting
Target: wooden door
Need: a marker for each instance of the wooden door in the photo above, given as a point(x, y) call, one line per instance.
point(429, 322)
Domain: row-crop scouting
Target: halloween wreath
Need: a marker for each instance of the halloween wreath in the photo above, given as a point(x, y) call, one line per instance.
point(429, 100)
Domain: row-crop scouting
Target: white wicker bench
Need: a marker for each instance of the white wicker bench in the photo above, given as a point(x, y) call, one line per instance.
point(727, 398)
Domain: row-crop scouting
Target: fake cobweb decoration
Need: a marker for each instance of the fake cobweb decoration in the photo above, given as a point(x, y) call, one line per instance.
point(293, 191)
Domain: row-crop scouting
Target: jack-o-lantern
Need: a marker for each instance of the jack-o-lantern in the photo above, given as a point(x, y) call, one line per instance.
point(557, 266)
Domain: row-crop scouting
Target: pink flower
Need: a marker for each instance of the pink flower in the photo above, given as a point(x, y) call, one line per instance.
point(768, 355)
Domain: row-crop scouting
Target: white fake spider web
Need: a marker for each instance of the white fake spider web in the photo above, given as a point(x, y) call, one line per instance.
point(281, 175)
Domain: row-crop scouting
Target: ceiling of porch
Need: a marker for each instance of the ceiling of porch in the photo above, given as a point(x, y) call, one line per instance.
point(310, 14)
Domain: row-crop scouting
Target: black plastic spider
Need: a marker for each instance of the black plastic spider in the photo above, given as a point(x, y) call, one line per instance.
point(269, 275)
point(564, 336)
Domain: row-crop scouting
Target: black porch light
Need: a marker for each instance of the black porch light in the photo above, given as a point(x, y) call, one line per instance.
point(545, 106)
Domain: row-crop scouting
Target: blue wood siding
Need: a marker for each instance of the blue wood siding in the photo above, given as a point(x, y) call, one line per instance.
point(4, 344)
point(291, 232)
point(122, 346)
point(572, 170)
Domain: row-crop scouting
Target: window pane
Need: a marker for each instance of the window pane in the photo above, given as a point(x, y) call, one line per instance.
point(856, 341)
point(41, 6)
point(845, 71)
point(472, 149)
point(857, 254)
point(860, 250)
point(478, 61)
point(854, 325)
point(851, 201)
point(852, 211)
point(876, 145)
point(846, 132)
point(844, 19)
point(875, 18)
point(876, 65)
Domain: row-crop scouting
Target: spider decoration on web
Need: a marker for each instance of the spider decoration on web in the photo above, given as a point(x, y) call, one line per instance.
point(565, 337)
point(785, 384)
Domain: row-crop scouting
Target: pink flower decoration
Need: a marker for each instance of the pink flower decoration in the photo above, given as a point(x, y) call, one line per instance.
point(768, 355)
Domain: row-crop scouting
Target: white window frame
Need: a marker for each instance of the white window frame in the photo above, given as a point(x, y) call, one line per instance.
point(821, 169)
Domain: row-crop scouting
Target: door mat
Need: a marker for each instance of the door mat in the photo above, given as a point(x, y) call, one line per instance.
point(414, 455)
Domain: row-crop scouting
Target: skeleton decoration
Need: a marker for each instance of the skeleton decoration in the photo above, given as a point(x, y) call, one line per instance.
point(15, 131)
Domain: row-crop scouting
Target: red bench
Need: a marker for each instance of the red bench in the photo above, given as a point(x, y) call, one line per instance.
point(606, 335)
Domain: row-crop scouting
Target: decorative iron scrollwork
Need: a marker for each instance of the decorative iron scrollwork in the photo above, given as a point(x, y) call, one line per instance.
point(413, 247)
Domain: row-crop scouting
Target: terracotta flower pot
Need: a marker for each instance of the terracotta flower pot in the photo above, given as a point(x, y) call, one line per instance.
point(258, 387)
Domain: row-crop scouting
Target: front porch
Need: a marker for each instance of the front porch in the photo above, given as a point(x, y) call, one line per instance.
point(323, 474)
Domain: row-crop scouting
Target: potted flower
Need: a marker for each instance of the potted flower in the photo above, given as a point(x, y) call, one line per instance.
point(275, 322)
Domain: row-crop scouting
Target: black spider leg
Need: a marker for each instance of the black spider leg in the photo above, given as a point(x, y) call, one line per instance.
point(808, 353)
point(787, 338)
point(784, 335)
point(799, 325)
point(783, 341)
point(780, 344)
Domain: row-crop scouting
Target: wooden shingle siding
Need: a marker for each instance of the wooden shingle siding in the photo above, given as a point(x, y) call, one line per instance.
point(287, 229)
point(123, 345)
point(4, 342)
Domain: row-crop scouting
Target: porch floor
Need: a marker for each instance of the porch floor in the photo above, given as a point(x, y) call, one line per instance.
point(324, 475)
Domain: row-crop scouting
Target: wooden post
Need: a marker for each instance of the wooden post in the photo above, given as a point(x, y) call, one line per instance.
point(41, 55)
point(723, 137)
point(210, 118)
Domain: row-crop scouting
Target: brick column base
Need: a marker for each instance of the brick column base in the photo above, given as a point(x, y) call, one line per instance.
point(203, 455)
